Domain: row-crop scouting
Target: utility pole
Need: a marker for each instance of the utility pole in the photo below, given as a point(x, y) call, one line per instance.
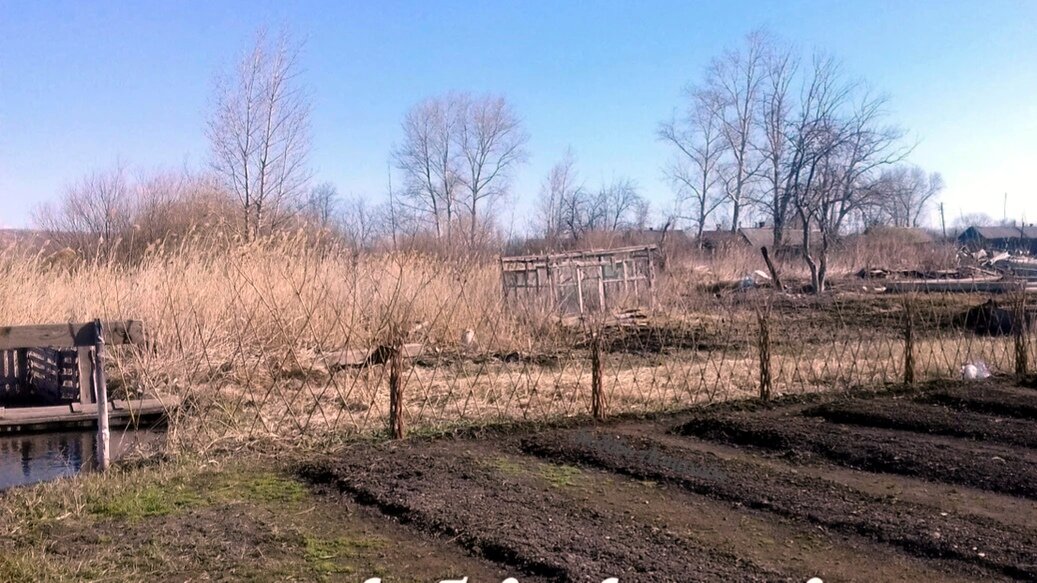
point(943, 222)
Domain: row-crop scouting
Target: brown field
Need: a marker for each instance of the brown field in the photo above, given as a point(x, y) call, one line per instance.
point(731, 492)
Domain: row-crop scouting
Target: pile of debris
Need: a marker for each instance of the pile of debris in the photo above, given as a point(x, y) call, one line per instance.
point(977, 272)
point(1017, 266)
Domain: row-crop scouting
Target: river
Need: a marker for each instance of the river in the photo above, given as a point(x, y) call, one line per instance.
point(39, 457)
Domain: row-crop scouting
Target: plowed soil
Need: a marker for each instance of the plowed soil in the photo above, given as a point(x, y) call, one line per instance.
point(872, 489)
point(934, 419)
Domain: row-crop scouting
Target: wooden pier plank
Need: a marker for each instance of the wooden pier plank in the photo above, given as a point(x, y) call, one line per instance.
point(70, 335)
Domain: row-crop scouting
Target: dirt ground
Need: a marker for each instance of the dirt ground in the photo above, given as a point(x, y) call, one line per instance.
point(883, 488)
point(934, 484)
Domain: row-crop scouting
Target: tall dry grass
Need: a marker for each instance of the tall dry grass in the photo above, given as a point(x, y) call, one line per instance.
point(249, 336)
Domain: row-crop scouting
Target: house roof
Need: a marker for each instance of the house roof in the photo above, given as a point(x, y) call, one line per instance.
point(764, 236)
point(721, 236)
point(1029, 232)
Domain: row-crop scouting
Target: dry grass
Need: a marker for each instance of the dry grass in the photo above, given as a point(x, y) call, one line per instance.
point(247, 336)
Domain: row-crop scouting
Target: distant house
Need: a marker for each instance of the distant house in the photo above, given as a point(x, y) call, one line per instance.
point(762, 235)
point(654, 236)
point(721, 240)
point(1018, 239)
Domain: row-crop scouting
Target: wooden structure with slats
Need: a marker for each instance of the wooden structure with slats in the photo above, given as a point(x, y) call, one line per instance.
point(47, 374)
point(583, 281)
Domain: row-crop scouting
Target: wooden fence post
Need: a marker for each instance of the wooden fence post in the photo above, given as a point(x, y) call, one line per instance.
point(909, 343)
point(597, 394)
point(764, 345)
point(396, 428)
point(1021, 328)
point(103, 432)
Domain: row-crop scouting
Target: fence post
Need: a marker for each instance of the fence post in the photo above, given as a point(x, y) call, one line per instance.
point(909, 343)
point(597, 393)
point(1020, 328)
point(764, 345)
point(101, 384)
point(396, 428)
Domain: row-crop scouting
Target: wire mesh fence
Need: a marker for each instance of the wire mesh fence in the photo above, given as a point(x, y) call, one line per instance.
point(316, 347)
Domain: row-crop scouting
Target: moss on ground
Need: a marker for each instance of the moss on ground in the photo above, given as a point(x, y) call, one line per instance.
point(245, 521)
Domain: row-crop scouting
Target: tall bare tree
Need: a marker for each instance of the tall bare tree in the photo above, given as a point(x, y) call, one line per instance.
point(903, 195)
point(841, 145)
point(259, 133)
point(776, 110)
point(736, 81)
point(558, 190)
point(457, 157)
point(491, 144)
point(429, 162)
point(698, 148)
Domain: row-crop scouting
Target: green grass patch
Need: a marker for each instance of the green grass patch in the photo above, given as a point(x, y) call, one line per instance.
point(136, 501)
point(255, 487)
point(560, 476)
point(144, 502)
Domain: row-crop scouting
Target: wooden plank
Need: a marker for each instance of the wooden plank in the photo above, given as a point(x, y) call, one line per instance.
point(22, 413)
point(70, 335)
point(90, 408)
point(58, 416)
point(85, 364)
point(144, 406)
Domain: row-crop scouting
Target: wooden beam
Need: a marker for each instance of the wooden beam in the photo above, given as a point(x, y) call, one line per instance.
point(85, 362)
point(70, 335)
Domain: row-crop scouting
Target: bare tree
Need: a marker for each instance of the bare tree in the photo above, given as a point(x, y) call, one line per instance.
point(841, 146)
point(698, 149)
point(735, 79)
point(322, 204)
point(259, 133)
point(429, 162)
point(557, 192)
point(457, 156)
point(903, 194)
point(362, 223)
point(491, 144)
point(776, 110)
point(617, 205)
point(97, 208)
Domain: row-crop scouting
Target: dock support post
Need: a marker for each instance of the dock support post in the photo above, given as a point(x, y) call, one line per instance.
point(101, 384)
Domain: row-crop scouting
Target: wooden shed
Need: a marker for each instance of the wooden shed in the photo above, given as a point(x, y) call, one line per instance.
point(1017, 239)
point(583, 281)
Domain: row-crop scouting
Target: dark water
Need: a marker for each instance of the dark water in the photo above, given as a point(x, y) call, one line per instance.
point(38, 457)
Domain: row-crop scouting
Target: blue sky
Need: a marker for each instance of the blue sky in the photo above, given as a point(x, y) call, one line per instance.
point(84, 84)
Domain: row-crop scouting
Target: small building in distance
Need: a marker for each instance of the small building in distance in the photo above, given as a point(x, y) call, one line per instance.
point(1013, 239)
point(578, 282)
point(760, 235)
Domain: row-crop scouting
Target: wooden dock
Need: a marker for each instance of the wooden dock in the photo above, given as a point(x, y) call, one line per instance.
point(59, 368)
point(121, 412)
